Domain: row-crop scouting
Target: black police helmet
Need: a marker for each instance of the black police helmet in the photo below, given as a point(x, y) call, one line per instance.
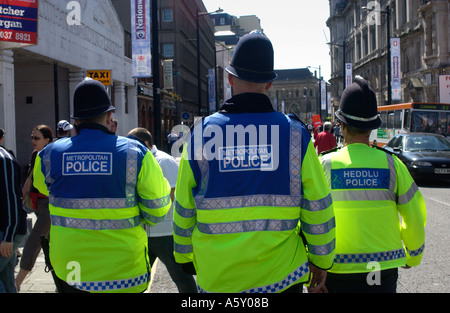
point(358, 106)
point(90, 100)
point(253, 59)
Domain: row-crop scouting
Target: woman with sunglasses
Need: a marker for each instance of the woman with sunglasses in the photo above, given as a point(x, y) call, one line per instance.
point(41, 136)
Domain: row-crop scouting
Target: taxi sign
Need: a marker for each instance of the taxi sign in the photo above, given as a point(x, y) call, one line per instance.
point(103, 76)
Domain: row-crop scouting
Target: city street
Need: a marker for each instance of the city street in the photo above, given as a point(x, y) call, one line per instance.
point(430, 277)
point(433, 274)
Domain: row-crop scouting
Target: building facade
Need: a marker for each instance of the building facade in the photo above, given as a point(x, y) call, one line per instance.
point(37, 82)
point(359, 35)
point(296, 91)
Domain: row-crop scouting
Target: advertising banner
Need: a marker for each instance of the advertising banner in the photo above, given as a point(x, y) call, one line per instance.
point(323, 95)
point(395, 69)
point(444, 88)
point(316, 120)
point(212, 90)
point(19, 21)
point(348, 74)
point(141, 38)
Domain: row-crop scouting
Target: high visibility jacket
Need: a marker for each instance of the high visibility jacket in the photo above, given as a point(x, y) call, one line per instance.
point(101, 187)
point(370, 188)
point(247, 183)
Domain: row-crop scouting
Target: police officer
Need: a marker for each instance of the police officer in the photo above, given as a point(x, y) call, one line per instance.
point(370, 188)
point(101, 188)
point(250, 186)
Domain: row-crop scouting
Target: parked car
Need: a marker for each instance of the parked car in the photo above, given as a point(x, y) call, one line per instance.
point(426, 155)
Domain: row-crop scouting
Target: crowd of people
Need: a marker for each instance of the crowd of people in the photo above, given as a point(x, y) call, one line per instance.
point(268, 218)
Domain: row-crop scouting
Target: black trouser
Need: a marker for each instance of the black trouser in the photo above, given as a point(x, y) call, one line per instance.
point(358, 283)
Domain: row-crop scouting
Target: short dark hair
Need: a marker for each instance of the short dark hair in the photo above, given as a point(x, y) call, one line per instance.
point(2, 133)
point(142, 134)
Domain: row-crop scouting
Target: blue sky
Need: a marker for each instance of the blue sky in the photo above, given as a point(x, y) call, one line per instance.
point(297, 29)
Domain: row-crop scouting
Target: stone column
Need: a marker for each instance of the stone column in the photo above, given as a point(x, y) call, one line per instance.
point(7, 98)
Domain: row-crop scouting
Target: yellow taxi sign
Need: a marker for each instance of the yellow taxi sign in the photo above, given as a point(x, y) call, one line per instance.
point(103, 76)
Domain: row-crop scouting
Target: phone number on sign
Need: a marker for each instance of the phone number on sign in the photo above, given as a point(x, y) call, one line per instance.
point(21, 37)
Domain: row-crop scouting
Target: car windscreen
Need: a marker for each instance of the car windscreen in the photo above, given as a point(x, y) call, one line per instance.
point(427, 143)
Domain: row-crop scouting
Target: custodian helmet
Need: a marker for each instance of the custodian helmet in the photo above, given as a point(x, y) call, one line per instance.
point(253, 59)
point(358, 106)
point(90, 100)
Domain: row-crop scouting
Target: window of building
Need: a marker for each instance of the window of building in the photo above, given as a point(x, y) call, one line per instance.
point(167, 15)
point(168, 50)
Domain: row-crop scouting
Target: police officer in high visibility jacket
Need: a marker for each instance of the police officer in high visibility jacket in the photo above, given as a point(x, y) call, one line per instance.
point(101, 187)
point(250, 186)
point(370, 189)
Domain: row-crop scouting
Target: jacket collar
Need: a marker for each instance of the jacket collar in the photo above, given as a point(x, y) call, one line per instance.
point(247, 103)
point(95, 127)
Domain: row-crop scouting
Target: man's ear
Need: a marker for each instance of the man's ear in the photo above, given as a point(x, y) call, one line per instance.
point(268, 86)
point(231, 79)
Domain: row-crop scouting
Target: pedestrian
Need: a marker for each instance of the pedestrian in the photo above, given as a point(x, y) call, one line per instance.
point(113, 125)
point(64, 129)
point(246, 185)
point(370, 189)
point(2, 140)
point(41, 136)
point(102, 188)
point(337, 133)
point(160, 237)
point(325, 140)
point(13, 219)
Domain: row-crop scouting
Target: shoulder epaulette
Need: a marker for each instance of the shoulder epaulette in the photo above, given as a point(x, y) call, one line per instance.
point(383, 149)
point(294, 117)
point(330, 151)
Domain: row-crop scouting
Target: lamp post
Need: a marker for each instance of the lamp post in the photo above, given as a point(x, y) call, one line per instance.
point(156, 80)
point(387, 12)
point(198, 14)
point(343, 46)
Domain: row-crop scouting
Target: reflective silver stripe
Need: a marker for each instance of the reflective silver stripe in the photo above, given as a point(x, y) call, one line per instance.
point(177, 230)
point(45, 157)
point(247, 226)
point(155, 204)
point(152, 218)
point(409, 195)
point(392, 171)
point(203, 203)
point(88, 224)
point(132, 170)
point(356, 118)
point(363, 195)
point(183, 249)
point(370, 257)
point(98, 286)
point(323, 249)
point(416, 252)
point(291, 279)
point(292, 200)
point(105, 203)
point(320, 229)
point(318, 205)
point(183, 212)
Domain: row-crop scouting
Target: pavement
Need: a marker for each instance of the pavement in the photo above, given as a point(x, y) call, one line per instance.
point(40, 281)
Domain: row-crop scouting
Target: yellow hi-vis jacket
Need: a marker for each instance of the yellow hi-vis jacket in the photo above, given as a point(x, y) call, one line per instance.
point(101, 187)
point(370, 189)
point(237, 216)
